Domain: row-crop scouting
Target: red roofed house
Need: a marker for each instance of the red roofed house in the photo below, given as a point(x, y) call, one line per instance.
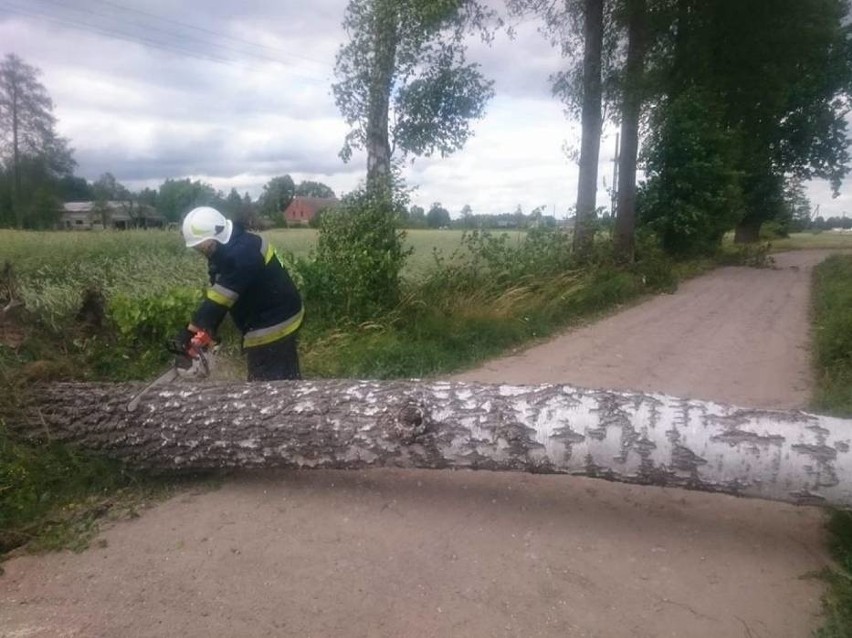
point(303, 209)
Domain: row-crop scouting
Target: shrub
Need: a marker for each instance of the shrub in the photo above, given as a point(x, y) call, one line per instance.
point(359, 256)
point(153, 318)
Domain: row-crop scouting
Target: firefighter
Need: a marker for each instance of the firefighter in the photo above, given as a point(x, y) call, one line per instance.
point(248, 280)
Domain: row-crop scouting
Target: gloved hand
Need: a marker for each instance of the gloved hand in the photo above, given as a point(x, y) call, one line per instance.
point(180, 343)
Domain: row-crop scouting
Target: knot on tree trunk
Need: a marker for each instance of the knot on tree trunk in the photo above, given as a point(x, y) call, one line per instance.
point(411, 423)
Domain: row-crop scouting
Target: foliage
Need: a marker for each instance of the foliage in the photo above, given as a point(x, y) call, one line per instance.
point(492, 293)
point(837, 601)
point(308, 188)
point(833, 359)
point(833, 334)
point(155, 317)
point(692, 195)
point(34, 157)
point(402, 79)
point(438, 216)
point(276, 197)
point(496, 259)
point(781, 72)
point(35, 482)
point(359, 257)
point(176, 197)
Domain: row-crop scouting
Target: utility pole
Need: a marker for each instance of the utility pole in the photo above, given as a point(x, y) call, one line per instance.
point(614, 177)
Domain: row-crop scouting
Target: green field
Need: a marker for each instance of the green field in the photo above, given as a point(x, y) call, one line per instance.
point(813, 241)
point(29, 250)
point(424, 242)
point(54, 268)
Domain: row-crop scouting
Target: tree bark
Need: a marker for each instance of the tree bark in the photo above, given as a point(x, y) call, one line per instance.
point(747, 231)
point(632, 438)
point(625, 221)
point(590, 145)
point(384, 64)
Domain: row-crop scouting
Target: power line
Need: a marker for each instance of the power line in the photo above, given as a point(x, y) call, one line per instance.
point(189, 26)
point(185, 38)
point(117, 35)
point(137, 38)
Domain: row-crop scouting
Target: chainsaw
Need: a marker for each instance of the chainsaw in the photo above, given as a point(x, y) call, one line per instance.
point(196, 362)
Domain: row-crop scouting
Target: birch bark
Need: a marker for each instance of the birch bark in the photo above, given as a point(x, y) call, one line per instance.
point(633, 438)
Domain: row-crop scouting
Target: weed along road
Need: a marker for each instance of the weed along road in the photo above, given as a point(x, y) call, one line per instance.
point(437, 553)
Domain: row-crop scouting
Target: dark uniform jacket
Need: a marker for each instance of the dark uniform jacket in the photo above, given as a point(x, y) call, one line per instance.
point(248, 279)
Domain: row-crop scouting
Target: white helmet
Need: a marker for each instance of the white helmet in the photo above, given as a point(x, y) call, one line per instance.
point(206, 223)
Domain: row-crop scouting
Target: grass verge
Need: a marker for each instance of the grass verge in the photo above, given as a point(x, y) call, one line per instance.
point(833, 360)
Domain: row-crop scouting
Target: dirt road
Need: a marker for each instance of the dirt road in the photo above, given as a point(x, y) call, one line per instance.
point(411, 554)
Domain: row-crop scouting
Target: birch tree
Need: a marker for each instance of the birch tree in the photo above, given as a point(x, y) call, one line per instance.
point(634, 438)
point(403, 82)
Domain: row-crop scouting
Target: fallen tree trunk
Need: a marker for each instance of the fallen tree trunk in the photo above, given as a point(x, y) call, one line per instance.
point(634, 438)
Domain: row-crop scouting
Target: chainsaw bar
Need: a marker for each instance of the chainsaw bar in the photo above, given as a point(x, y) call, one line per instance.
point(167, 377)
point(199, 369)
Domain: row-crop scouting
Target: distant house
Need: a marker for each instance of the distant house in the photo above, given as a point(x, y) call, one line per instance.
point(303, 209)
point(112, 215)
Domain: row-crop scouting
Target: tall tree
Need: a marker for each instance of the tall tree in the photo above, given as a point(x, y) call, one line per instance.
point(692, 194)
point(177, 197)
point(631, 111)
point(28, 137)
point(276, 196)
point(108, 188)
point(788, 94)
point(308, 188)
point(438, 216)
point(405, 62)
point(592, 124)
point(780, 72)
point(74, 189)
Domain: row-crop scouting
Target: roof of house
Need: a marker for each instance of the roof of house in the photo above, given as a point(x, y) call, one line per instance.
point(117, 209)
point(314, 204)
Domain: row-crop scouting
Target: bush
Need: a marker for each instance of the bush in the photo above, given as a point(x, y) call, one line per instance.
point(359, 257)
point(653, 265)
point(773, 230)
point(154, 318)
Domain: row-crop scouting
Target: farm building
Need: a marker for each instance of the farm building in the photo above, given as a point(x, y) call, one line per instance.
point(303, 209)
point(113, 215)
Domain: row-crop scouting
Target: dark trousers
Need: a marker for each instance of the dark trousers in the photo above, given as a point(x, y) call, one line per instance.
point(275, 361)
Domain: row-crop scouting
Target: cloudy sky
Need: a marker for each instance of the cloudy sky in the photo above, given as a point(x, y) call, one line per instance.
point(236, 92)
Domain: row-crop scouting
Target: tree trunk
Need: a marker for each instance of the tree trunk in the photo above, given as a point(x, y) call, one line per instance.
point(16, 161)
point(587, 186)
point(747, 231)
point(625, 221)
point(382, 73)
point(632, 438)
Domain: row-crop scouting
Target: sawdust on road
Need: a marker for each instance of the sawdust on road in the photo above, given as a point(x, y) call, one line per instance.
point(389, 553)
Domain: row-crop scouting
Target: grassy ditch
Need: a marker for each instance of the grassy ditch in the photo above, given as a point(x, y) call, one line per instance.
point(833, 360)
